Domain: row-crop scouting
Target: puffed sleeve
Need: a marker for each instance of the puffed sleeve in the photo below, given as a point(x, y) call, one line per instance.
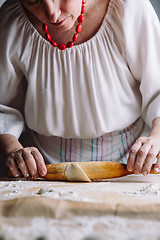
point(11, 84)
point(141, 28)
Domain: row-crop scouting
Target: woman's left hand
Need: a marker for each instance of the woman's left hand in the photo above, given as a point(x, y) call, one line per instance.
point(142, 155)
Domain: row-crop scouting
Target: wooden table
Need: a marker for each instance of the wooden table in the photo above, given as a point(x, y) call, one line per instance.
point(135, 198)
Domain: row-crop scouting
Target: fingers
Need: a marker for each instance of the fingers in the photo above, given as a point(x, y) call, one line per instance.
point(11, 164)
point(151, 156)
point(21, 164)
point(27, 162)
point(142, 155)
point(137, 155)
point(31, 164)
point(132, 155)
point(157, 165)
point(35, 163)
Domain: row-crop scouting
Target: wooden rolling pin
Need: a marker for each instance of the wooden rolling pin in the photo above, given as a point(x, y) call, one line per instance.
point(93, 170)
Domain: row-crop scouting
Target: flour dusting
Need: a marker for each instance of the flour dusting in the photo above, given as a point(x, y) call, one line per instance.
point(151, 190)
point(84, 228)
point(84, 192)
point(104, 227)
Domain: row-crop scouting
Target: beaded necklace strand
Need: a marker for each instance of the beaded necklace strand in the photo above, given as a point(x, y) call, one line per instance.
point(70, 44)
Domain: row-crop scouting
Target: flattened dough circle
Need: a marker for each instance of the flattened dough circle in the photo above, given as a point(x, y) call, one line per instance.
point(74, 173)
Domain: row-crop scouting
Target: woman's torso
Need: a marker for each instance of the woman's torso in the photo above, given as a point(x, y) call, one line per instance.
point(86, 92)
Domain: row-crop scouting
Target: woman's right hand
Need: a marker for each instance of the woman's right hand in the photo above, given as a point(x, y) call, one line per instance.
point(27, 162)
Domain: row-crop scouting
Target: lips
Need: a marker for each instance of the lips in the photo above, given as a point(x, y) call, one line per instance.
point(59, 23)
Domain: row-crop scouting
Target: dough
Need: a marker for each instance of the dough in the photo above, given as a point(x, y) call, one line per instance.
point(74, 173)
point(54, 199)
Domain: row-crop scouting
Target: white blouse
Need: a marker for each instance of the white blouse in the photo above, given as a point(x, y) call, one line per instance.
point(102, 85)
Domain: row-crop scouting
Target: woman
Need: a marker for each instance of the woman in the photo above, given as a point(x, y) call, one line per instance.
point(84, 77)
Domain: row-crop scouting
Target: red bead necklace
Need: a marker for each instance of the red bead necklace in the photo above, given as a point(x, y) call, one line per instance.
point(75, 36)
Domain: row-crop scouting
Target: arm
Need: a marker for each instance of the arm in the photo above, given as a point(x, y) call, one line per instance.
point(143, 57)
point(8, 144)
point(21, 161)
point(145, 150)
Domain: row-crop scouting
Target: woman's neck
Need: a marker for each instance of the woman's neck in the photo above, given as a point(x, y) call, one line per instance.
point(94, 15)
